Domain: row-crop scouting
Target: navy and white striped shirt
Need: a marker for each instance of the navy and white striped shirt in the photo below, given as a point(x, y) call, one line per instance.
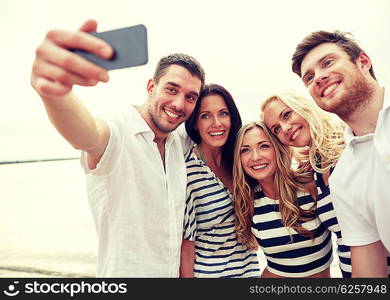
point(209, 222)
point(328, 217)
point(288, 253)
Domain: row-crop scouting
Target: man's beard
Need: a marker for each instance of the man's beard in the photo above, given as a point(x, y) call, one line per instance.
point(355, 98)
point(158, 123)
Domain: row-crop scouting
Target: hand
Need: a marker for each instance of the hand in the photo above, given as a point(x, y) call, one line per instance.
point(304, 167)
point(304, 164)
point(56, 69)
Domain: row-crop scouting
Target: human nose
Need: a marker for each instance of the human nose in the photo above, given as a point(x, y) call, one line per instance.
point(178, 103)
point(216, 121)
point(285, 127)
point(256, 155)
point(321, 77)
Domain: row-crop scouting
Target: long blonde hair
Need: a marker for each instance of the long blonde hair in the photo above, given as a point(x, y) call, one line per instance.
point(327, 133)
point(287, 181)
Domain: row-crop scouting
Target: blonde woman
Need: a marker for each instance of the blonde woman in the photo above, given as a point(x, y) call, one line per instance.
point(275, 209)
point(298, 122)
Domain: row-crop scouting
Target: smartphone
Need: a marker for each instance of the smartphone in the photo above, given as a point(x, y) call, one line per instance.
point(129, 44)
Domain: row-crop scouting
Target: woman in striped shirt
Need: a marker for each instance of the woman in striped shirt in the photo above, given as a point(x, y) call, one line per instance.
point(275, 209)
point(298, 122)
point(210, 247)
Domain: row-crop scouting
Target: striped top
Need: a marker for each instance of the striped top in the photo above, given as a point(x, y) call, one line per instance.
point(288, 253)
point(328, 217)
point(209, 222)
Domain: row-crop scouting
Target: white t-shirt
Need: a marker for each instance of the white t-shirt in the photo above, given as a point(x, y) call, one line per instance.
point(137, 206)
point(360, 185)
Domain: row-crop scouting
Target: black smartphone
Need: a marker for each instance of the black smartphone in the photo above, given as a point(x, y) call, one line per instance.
point(129, 44)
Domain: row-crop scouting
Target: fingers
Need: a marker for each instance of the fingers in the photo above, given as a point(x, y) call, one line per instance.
point(80, 40)
point(56, 69)
point(89, 26)
point(69, 62)
point(54, 73)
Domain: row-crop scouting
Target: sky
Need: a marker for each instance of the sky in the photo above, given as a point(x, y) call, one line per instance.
point(244, 45)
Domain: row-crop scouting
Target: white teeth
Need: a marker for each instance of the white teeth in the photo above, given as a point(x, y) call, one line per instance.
point(329, 89)
point(295, 135)
point(217, 133)
point(257, 167)
point(171, 114)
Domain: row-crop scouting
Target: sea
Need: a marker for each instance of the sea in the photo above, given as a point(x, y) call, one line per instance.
point(46, 226)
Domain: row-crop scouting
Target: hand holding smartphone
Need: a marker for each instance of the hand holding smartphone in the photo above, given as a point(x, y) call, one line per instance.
point(129, 44)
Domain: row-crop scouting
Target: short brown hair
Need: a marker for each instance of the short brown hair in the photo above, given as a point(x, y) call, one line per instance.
point(344, 40)
point(186, 61)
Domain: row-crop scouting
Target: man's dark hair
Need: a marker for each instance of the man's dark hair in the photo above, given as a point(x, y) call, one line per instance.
point(186, 61)
point(344, 40)
point(235, 121)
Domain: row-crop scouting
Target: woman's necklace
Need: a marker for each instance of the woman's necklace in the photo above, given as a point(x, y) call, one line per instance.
point(201, 154)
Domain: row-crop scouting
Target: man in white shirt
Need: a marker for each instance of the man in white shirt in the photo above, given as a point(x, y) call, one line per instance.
point(135, 163)
point(340, 78)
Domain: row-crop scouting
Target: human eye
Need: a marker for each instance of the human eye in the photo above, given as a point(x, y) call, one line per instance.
point(287, 114)
point(224, 113)
point(244, 150)
point(276, 129)
point(308, 79)
point(192, 98)
point(264, 146)
point(171, 90)
point(204, 116)
point(328, 62)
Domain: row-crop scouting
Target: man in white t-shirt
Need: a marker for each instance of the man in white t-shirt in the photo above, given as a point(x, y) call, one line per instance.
point(135, 163)
point(340, 78)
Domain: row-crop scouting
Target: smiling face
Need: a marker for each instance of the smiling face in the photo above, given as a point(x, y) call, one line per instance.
point(336, 83)
point(171, 100)
point(257, 155)
point(289, 127)
point(213, 122)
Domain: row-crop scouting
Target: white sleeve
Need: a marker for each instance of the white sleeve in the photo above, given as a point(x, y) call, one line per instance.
point(355, 229)
point(110, 156)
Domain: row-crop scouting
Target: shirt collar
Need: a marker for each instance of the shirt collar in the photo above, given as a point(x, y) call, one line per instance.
point(140, 125)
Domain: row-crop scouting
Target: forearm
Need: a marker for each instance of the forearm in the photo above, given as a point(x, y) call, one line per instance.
point(187, 259)
point(74, 122)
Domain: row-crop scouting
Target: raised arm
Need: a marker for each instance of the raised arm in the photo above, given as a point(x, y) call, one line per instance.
point(54, 73)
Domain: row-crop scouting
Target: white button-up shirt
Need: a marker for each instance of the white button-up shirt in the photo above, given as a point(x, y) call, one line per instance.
point(137, 206)
point(360, 185)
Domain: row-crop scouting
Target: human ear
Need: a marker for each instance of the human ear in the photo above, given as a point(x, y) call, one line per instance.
point(150, 86)
point(363, 61)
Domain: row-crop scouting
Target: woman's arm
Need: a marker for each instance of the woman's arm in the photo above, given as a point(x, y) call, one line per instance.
point(187, 259)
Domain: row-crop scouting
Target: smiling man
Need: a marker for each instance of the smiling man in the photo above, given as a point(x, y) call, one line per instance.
point(136, 174)
point(340, 78)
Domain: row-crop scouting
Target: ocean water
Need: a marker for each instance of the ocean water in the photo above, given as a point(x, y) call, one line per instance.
point(46, 227)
